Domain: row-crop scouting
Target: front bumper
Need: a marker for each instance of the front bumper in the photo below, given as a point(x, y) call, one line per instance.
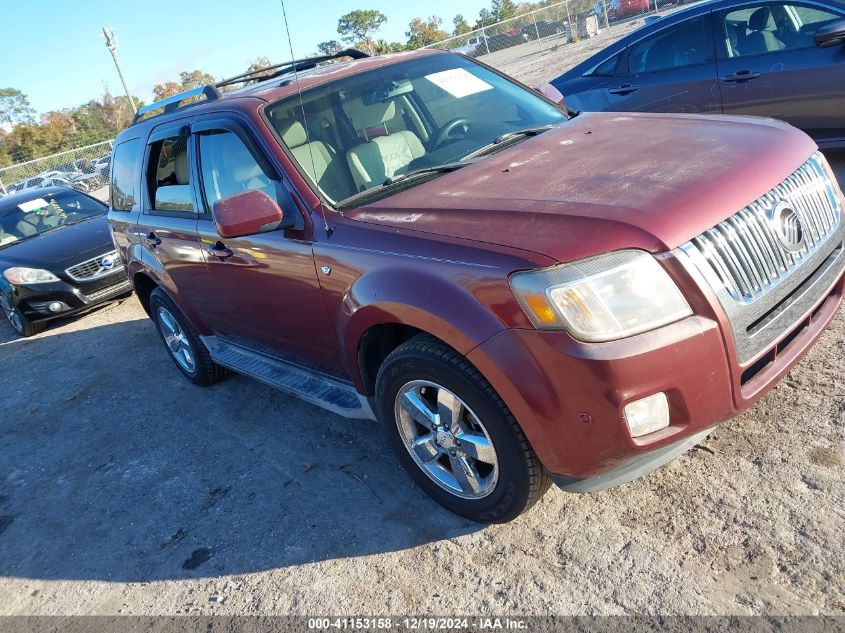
point(569, 396)
point(34, 301)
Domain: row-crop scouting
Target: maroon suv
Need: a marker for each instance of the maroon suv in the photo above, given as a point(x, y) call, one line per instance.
point(521, 296)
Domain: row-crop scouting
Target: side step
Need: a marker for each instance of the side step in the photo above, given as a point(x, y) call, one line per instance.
point(329, 393)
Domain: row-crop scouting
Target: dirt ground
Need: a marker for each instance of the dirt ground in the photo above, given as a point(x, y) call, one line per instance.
point(126, 490)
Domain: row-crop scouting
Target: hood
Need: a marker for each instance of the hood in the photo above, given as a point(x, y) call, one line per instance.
point(61, 248)
point(604, 181)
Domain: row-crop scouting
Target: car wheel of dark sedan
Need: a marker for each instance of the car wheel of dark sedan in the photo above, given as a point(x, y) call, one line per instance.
point(182, 341)
point(22, 325)
point(454, 435)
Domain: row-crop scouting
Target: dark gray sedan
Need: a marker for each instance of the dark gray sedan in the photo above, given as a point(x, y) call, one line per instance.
point(776, 59)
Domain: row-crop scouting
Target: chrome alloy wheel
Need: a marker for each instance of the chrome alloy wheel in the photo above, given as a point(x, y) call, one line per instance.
point(446, 439)
point(176, 341)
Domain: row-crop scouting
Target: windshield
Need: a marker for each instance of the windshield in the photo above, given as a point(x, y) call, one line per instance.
point(29, 217)
point(363, 130)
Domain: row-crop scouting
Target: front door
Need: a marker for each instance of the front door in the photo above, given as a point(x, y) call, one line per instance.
point(770, 66)
point(262, 289)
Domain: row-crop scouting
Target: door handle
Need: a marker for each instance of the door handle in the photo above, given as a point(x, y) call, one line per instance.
point(152, 240)
point(220, 251)
point(624, 89)
point(741, 75)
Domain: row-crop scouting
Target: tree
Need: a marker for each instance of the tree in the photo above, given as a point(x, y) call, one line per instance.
point(383, 47)
point(167, 89)
point(187, 80)
point(485, 17)
point(15, 108)
point(259, 63)
point(460, 24)
point(503, 9)
point(359, 26)
point(329, 48)
point(424, 32)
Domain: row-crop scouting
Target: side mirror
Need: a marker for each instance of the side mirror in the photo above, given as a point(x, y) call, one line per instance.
point(831, 34)
point(247, 213)
point(551, 93)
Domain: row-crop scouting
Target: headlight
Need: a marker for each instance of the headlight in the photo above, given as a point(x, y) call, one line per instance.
point(602, 298)
point(23, 276)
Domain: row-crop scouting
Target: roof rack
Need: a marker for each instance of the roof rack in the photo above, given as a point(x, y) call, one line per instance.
point(212, 92)
point(288, 67)
point(171, 103)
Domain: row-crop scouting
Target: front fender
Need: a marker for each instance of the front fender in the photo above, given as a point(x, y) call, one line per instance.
point(422, 298)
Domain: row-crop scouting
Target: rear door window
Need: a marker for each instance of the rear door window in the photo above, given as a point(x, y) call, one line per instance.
point(686, 44)
point(168, 174)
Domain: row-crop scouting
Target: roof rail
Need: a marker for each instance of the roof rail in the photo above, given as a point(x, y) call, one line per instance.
point(294, 65)
point(171, 103)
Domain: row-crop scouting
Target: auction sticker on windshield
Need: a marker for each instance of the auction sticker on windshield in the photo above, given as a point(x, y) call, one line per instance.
point(458, 82)
point(32, 205)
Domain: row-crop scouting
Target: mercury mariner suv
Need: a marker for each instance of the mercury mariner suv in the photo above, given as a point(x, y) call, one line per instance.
point(520, 294)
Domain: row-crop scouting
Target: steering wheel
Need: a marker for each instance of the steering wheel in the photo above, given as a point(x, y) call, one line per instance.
point(443, 132)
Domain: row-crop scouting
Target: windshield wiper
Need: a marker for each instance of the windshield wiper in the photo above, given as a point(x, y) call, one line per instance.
point(425, 170)
point(509, 136)
point(528, 131)
point(393, 180)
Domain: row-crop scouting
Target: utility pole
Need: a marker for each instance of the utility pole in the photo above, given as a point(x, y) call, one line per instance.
point(111, 44)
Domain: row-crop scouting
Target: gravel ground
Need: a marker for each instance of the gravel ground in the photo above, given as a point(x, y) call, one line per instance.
point(126, 490)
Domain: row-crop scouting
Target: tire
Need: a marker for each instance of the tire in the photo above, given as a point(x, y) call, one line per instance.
point(21, 324)
point(502, 484)
point(182, 342)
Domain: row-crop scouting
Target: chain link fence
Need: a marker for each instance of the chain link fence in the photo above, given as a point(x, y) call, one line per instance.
point(85, 169)
point(549, 27)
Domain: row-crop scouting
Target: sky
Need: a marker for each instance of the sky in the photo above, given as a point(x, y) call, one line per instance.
point(53, 50)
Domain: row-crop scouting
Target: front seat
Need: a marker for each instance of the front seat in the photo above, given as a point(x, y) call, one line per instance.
point(319, 160)
point(761, 39)
point(378, 159)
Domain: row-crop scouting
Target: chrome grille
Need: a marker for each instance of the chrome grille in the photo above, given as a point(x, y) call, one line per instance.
point(92, 268)
point(748, 251)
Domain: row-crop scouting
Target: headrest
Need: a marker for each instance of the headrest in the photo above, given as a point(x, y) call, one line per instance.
point(366, 116)
point(761, 20)
point(180, 167)
point(295, 135)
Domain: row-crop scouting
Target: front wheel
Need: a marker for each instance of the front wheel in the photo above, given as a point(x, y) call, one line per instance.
point(183, 344)
point(454, 435)
point(22, 325)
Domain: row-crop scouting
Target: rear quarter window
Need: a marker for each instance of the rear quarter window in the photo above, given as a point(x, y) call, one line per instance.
point(124, 175)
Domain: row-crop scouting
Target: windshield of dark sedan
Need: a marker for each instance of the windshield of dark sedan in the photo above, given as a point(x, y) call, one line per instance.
point(361, 130)
point(25, 217)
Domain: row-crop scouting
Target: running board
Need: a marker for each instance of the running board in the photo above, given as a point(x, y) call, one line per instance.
point(329, 393)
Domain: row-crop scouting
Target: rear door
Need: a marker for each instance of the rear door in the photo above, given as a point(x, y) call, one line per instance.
point(770, 66)
point(262, 289)
point(167, 226)
point(672, 70)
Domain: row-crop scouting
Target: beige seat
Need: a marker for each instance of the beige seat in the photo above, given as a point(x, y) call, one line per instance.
point(319, 160)
point(378, 159)
point(180, 167)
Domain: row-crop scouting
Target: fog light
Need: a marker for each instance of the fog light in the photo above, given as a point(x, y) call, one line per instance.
point(56, 306)
point(647, 415)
